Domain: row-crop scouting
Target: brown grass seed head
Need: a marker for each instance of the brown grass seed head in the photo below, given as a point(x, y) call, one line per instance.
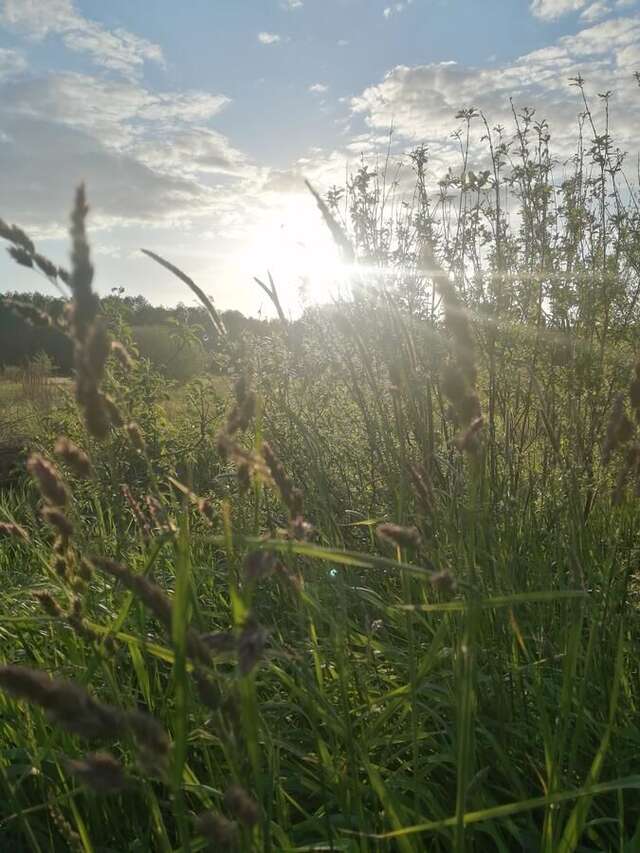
point(66, 704)
point(216, 828)
point(73, 457)
point(99, 771)
point(135, 436)
point(51, 485)
point(12, 530)
point(403, 537)
point(59, 521)
point(241, 805)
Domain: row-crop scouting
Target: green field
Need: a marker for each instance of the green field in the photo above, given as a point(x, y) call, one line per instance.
point(371, 586)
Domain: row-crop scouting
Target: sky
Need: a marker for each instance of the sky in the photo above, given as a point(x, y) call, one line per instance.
point(194, 124)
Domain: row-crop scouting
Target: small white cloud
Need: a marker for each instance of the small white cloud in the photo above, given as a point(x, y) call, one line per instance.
point(595, 12)
point(625, 4)
point(269, 38)
point(343, 43)
point(319, 88)
point(396, 8)
point(551, 10)
point(290, 5)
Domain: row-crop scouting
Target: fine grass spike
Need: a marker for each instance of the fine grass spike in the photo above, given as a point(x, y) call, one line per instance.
point(216, 321)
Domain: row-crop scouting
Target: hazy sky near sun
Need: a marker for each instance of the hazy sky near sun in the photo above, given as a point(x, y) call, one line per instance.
point(194, 122)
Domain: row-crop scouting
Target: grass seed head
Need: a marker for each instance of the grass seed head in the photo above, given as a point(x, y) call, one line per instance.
point(121, 354)
point(251, 645)
point(423, 489)
point(291, 496)
point(51, 485)
point(208, 689)
point(45, 265)
point(99, 771)
point(49, 604)
point(259, 565)
point(65, 704)
point(403, 537)
point(135, 436)
point(241, 805)
point(443, 582)
point(59, 521)
point(149, 734)
point(217, 829)
point(73, 457)
point(21, 256)
point(219, 642)
point(11, 530)
point(112, 412)
point(148, 592)
point(469, 440)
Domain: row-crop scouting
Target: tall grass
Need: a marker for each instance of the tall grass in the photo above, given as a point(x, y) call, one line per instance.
point(385, 597)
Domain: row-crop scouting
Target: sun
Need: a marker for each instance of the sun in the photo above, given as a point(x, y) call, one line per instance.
point(291, 241)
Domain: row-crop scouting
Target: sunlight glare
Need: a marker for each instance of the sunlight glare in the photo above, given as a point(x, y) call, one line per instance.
point(293, 243)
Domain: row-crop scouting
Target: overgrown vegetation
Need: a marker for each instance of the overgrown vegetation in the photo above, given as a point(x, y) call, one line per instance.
point(383, 595)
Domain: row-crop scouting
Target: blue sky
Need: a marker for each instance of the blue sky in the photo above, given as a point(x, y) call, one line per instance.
point(194, 123)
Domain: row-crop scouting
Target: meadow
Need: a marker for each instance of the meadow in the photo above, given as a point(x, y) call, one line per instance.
point(370, 585)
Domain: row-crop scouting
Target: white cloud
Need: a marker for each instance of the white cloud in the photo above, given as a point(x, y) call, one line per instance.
point(421, 102)
point(117, 50)
point(396, 8)
point(343, 43)
point(190, 152)
point(145, 155)
point(595, 12)
point(550, 10)
point(319, 88)
point(11, 62)
point(290, 5)
point(269, 38)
